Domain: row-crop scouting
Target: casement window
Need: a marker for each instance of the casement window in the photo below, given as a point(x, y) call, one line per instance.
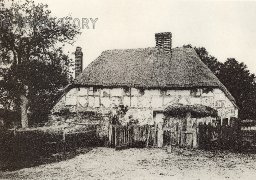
point(127, 91)
point(219, 104)
point(96, 91)
point(208, 101)
point(170, 92)
point(142, 91)
point(232, 111)
point(105, 93)
point(90, 91)
point(207, 90)
point(196, 92)
point(135, 92)
point(163, 92)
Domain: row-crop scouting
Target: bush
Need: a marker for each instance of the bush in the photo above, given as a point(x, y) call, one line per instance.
point(10, 118)
point(33, 147)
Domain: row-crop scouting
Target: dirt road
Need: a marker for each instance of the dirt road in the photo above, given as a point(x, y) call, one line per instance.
point(106, 163)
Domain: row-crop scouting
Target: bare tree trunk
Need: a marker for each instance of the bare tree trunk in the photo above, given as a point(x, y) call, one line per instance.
point(24, 111)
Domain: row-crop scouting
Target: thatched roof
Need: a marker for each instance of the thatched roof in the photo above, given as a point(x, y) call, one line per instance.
point(149, 68)
point(196, 110)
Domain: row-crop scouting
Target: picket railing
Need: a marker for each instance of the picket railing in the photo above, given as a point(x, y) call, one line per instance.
point(124, 136)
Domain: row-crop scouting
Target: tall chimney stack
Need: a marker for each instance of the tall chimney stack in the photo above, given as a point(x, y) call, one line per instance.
point(164, 42)
point(78, 61)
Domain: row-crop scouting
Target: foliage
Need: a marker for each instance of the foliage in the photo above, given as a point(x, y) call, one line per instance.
point(31, 40)
point(21, 149)
point(241, 84)
point(196, 110)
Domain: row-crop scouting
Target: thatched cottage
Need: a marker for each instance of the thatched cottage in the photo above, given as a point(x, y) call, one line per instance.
point(157, 85)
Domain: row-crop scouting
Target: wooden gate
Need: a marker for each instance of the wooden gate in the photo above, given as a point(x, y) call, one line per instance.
point(125, 136)
point(181, 132)
point(119, 136)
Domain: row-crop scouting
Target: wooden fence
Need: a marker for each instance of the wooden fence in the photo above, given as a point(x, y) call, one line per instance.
point(218, 137)
point(248, 134)
point(132, 136)
point(240, 136)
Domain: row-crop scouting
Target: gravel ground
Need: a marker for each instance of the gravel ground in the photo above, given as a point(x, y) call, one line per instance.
point(106, 163)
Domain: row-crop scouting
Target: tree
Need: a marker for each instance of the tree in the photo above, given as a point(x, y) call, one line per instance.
point(31, 39)
point(241, 84)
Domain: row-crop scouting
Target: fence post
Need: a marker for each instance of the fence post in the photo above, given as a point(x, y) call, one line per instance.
point(160, 135)
point(15, 131)
point(147, 141)
point(110, 134)
point(115, 136)
point(123, 135)
point(125, 130)
point(64, 140)
point(155, 135)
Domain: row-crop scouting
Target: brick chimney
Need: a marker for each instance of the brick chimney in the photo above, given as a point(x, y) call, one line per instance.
point(164, 41)
point(78, 61)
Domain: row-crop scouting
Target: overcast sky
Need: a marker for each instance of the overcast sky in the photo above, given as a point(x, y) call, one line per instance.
point(225, 29)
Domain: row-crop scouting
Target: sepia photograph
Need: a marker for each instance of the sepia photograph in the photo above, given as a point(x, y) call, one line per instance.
point(127, 89)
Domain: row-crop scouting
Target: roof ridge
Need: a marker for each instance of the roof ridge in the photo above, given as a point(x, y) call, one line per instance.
point(143, 48)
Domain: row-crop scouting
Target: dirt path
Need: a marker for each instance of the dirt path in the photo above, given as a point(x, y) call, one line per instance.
point(106, 163)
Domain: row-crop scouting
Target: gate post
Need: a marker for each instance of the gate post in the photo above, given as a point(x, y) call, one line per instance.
point(160, 134)
point(115, 136)
point(110, 134)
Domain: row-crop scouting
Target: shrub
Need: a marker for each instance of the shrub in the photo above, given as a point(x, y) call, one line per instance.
point(25, 148)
